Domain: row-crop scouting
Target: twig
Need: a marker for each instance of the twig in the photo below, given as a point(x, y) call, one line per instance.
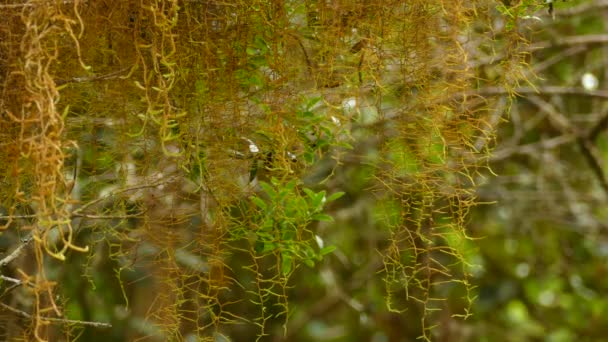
point(306, 58)
point(582, 8)
point(15, 284)
point(547, 90)
point(533, 148)
point(55, 320)
point(6, 217)
point(114, 74)
point(10, 280)
point(26, 4)
point(87, 205)
point(594, 160)
point(568, 52)
point(107, 217)
point(578, 46)
point(14, 6)
point(598, 128)
point(497, 114)
point(589, 150)
point(14, 254)
point(558, 120)
point(586, 39)
point(79, 214)
point(68, 2)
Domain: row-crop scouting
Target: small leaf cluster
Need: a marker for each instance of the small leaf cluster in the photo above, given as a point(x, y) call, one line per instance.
point(282, 215)
point(318, 130)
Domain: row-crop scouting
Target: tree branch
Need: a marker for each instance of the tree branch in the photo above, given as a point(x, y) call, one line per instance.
point(594, 160)
point(547, 90)
point(15, 253)
point(55, 320)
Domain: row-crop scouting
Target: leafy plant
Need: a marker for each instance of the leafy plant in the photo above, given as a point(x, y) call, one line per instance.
point(280, 225)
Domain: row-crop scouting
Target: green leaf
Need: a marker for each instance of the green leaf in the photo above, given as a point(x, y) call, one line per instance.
point(260, 43)
point(306, 114)
point(267, 225)
point(322, 217)
point(251, 51)
point(286, 264)
point(268, 190)
point(317, 200)
point(288, 234)
point(264, 236)
point(291, 185)
point(312, 102)
point(345, 145)
point(335, 196)
point(309, 157)
point(311, 194)
point(327, 250)
point(268, 247)
point(259, 202)
point(321, 197)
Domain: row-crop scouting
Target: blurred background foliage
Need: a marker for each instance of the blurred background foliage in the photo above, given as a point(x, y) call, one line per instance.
point(304, 170)
point(542, 246)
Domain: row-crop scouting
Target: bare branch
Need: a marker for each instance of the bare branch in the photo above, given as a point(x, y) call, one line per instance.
point(583, 8)
point(598, 128)
point(15, 253)
point(547, 90)
point(571, 40)
point(108, 217)
point(79, 211)
point(10, 280)
point(558, 120)
point(55, 320)
point(533, 148)
point(592, 155)
point(112, 75)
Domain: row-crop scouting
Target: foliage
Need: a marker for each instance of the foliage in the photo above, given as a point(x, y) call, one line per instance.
point(171, 165)
point(542, 245)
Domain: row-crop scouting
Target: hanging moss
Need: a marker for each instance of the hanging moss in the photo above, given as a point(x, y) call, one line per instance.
point(170, 147)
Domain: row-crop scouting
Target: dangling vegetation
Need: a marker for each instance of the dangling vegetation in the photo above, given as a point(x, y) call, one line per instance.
point(183, 170)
